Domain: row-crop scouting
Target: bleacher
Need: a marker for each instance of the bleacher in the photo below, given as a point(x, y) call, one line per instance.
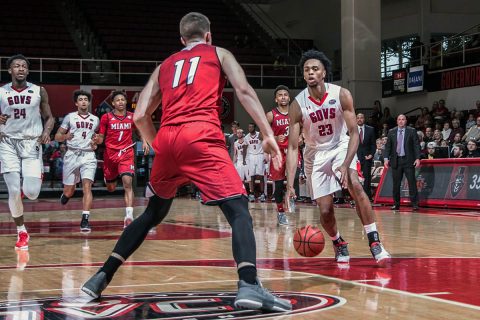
point(148, 30)
point(35, 29)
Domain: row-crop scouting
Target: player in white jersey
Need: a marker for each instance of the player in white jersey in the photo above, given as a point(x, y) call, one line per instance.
point(327, 115)
point(78, 130)
point(256, 161)
point(22, 107)
point(240, 157)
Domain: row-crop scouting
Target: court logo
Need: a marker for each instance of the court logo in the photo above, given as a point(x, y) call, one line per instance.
point(175, 305)
point(458, 183)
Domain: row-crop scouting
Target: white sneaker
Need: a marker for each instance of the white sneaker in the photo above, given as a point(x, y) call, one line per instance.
point(379, 253)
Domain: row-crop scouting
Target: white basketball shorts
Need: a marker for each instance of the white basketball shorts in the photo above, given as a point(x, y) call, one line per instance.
point(21, 155)
point(78, 164)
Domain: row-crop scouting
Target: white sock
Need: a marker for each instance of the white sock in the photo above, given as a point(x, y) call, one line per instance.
point(129, 212)
point(335, 237)
point(370, 227)
point(86, 212)
point(21, 228)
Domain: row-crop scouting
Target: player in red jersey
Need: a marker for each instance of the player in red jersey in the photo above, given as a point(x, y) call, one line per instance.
point(190, 147)
point(278, 119)
point(116, 130)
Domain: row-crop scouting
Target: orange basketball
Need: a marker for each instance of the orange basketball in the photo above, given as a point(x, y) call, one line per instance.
point(308, 241)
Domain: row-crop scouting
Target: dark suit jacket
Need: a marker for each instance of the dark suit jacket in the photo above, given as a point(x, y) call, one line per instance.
point(367, 146)
point(410, 144)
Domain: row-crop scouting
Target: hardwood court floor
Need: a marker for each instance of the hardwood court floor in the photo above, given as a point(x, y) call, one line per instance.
point(184, 269)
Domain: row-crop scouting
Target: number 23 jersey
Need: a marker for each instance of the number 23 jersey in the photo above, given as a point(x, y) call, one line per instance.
point(324, 127)
point(23, 107)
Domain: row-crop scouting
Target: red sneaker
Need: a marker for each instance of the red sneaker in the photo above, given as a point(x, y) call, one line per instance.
point(22, 240)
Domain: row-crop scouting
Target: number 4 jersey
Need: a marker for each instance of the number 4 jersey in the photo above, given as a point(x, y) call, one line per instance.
point(82, 127)
point(324, 127)
point(23, 109)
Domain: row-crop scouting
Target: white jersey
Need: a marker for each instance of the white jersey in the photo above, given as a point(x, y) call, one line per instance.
point(239, 147)
point(23, 107)
point(82, 127)
point(254, 143)
point(324, 127)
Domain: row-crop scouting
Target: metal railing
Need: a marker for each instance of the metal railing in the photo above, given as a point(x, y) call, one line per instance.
point(135, 72)
point(450, 52)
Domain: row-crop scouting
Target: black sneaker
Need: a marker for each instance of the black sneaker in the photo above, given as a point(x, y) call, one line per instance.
point(95, 285)
point(64, 199)
point(84, 225)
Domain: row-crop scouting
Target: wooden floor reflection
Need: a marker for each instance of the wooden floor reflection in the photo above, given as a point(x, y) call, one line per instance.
point(434, 273)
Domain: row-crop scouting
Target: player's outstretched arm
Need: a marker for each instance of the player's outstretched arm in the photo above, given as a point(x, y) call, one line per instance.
point(47, 116)
point(148, 101)
point(249, 100)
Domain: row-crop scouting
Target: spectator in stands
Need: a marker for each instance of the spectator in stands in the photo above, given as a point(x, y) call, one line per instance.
point(470, 122)
point(421, 138)
point(476, 111)
point(428, 135)
point(458, 150)
point(444, 143)
point(387, 118)
point(378, 156)
point(456, 129)
point(424, 116)
point(441, 112)
point(437, 136)
point(384, 130)
point(430, 151)
point(457, 138)
point(231, 138)
point(474, 132)
point(472, 151)
point(384, 141)
point(447, 131)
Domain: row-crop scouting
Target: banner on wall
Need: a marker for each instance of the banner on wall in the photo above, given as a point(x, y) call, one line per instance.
point(440, 182)
point(415, 79)
point(454, 78)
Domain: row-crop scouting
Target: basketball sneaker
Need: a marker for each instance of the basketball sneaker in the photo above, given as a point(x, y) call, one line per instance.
point(256, 297)
point(22, 240)
point(95, 285)
point(379, 253)
point(64, 199)
point(251, 198)
point(262, 198)
point(84, 224)
point(341, 252)
point(282, 219)
point(127, 221)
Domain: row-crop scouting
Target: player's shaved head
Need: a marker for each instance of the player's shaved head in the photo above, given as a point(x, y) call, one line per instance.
point(194, 25)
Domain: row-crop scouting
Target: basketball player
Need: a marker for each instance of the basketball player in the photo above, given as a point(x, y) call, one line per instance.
point(78, 129)
point(239, 156)
point(331, 139)
point(23, 105)
point(278, 119)
point(256, 161)
point(116, 128)
point(190, 147)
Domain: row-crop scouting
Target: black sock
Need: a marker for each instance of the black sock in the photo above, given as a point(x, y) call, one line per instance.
point(373, 237)
point(338, 241)
point(110, 267)
point(248, 274)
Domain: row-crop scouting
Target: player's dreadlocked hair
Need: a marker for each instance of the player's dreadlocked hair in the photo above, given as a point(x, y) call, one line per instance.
point(314, 54)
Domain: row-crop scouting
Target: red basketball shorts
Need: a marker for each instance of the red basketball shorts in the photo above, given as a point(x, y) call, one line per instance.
point(194, 152)
point(116, 163)
point(279, 174)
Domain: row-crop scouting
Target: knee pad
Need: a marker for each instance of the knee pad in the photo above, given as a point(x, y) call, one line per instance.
point(31, 187)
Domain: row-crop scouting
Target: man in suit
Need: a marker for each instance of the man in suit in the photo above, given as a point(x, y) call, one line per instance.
point(366, 150)
point(402, 153)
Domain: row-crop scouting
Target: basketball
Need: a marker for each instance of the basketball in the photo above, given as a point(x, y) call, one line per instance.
point(308, 241)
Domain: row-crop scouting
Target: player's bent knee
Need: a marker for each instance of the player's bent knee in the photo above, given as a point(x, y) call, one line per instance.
point(31, 187)
point(236, 210)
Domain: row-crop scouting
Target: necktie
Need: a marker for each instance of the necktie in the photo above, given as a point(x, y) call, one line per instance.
point(400, 143)
point(361, 135)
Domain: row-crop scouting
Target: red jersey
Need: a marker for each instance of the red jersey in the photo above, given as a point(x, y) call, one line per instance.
point(280, 126)
point(117, 130)
point(192, 83)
